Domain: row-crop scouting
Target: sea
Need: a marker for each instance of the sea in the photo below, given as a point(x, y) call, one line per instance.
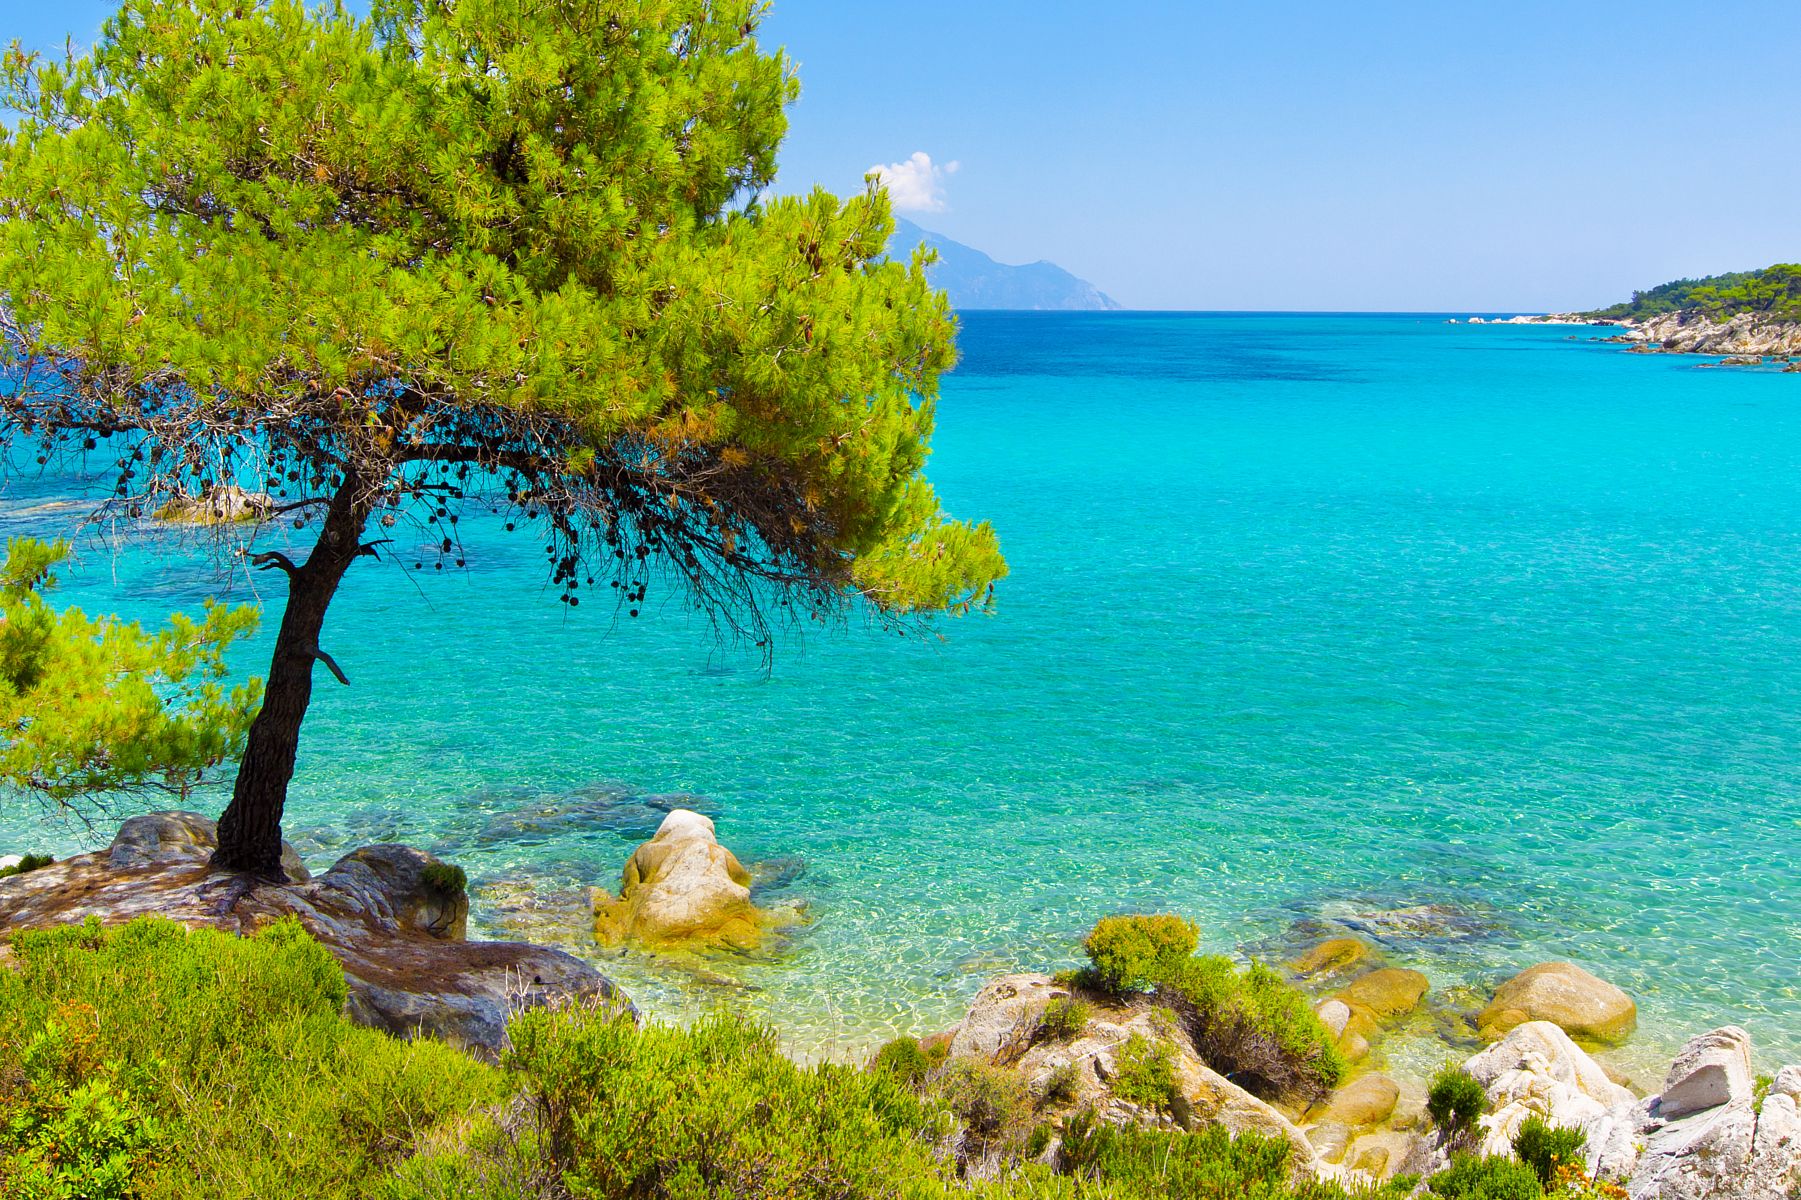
point(1483, 642)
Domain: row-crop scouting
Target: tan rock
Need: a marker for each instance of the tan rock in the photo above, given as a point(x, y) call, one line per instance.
point(1579, 1003)
point(681, 889)
point(1365, 1101)
point(1385, 994)
point(1332, 957)
point(1003, 1016)
point(1382, 1154)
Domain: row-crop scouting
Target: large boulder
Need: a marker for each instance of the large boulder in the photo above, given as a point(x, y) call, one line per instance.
point(1537, 1071)
point(1386, 994)
point(682, 889)
point(398, 936)
point(1713, 1069)
point(1368, 1100)
point(1581, 1004)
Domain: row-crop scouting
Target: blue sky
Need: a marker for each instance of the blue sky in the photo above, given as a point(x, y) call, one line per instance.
point(1291, 155)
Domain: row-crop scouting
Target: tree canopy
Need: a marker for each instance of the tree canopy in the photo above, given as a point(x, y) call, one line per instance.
point(514, 253)
point(100, 705)
point(1775, 291)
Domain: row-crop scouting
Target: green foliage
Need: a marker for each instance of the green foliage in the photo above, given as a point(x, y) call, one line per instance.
point(27, 862)
point(1545, 1148)
point(1455, 1101)
point(1064, 1019)
point(82, 1143)
point(1473, 1177)
point(1775, 291)
point(1060, 1084)
point(1760, 1088)
point(1254, 1027)
point(992, 1103)
point(714, 1110)
point(1208, 1164)
point(447, 879)
point(904, 1059)
point(483, 232)
point(1133, 953)
point(155, 1062)
point(1146, 1073)
point(93, 705)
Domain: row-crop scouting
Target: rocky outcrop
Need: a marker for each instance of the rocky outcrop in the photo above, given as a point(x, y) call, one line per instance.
point(1694, 332)
point(1001, 1027)
point(1538, 1071)
point(1703, 1137)
point(221, 505)
point(398, 937)
point(1385, 994)
point(683, 889)
point(1579, 1003)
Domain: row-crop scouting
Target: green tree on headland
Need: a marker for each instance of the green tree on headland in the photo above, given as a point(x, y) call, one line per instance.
point(1774, 291)
point(473, 252)
point(101, 705)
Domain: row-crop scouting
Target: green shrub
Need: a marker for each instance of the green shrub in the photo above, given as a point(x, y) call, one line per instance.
point(1064, 1019)
point(1472, 1177)
point(1132, 954)
point(1760, 1088)
point(1254, 1027)
point(1455, 1101)
point(446, 879)
point(993, 1103)
point(27, 862)
point(1060, 1084)
point(903, 1059)
point(1545, 1147)
point(207, 1065)
point(1146, 1073)
point(1210, 1164)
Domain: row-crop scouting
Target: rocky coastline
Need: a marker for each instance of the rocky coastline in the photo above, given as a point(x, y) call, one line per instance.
point(1745, 339)
point(396, 919)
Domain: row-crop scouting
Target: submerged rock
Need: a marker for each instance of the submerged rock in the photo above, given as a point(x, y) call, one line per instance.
point(1386, 994)
point(398, 937)
point(683, 889)
point(1581, 1004)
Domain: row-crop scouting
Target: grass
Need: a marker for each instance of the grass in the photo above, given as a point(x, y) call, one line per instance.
point(145, 1062)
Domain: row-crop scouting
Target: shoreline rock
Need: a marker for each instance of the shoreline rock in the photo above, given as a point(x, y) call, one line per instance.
point(399, 939)
point(683, 890)
point(1581, 1004)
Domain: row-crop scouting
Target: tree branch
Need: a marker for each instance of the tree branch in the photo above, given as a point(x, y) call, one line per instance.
point(331, 665)
point(274, 558)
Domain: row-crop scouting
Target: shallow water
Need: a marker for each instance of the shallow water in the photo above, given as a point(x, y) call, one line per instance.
point(1310, 617)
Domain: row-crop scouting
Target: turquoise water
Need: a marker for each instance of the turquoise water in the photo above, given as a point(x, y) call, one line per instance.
point(1309, 616)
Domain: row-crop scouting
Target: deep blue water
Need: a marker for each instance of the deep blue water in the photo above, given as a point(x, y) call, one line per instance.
point(1309, 616)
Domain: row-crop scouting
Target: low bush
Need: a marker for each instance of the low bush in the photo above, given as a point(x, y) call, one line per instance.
point(904, 1059)
point(992, 1103)
point(154, 1062)
point(1455, 1101)
point(1134, 953)
point(1473, 1177)
point(1146, 1073)
point(1253, 1027)
point(1064, 1019)
point(1545, 1148)
point(447, 879)
point(1060, 1085)
point(27, 862)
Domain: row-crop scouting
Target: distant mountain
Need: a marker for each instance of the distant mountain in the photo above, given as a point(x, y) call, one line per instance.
point(976, 281)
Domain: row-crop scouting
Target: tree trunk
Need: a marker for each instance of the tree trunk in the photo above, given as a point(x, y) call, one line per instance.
point(250, 828)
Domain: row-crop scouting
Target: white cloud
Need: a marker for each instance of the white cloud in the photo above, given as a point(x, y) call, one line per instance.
point(917, 184)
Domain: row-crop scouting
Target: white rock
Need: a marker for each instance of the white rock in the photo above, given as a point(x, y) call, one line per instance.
point(1705, 1155)
point(1334, 1015)
point(1537, 1071)
point(10, 860)
point(1004, 1014)
point(1713, 1069)
point(1787, 1083)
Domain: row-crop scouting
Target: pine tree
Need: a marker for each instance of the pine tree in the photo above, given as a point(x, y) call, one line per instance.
point(506, 253)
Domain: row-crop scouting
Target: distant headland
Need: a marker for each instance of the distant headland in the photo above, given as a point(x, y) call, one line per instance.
point(1748, 316)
